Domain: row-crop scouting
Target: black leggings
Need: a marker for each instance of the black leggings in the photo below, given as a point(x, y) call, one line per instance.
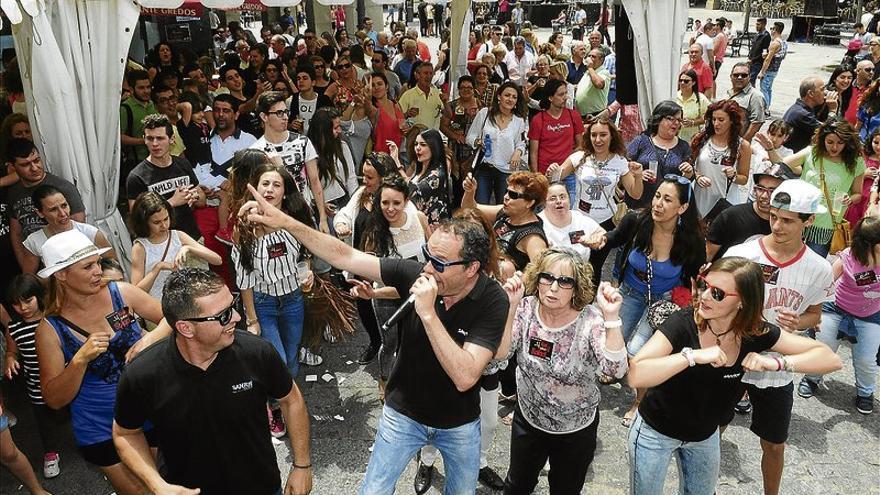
point(570, 456)
point(368, 318)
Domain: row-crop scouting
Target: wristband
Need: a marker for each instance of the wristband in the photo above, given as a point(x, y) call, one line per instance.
point(779, 364)
point(786, 364)
point(613, 323)
point(307, 466)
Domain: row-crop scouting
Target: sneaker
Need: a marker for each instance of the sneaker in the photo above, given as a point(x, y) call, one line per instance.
point(491, 479)
point(309, 358)
point(328, 335)
point(807, 388)
point(865, 405)
point(51, 465)
point(224, 236)
point(276, 423)
point(368, 355)
point(744, 406)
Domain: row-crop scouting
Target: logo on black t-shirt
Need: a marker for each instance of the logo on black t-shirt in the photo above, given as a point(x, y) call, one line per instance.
point(277, 250)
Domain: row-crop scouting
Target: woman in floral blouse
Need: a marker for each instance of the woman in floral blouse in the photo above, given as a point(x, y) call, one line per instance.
point(428, 183)
point(561, 343)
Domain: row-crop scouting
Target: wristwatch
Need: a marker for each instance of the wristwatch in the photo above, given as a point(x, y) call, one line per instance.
point(688, 354)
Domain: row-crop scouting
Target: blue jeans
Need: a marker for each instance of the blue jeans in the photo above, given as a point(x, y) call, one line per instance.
point(490, 181)
point(754, 69)
point(571, 186)
point(650, 452)
point(398, 438)
point(767, 87)
point(864, 352)
point(636, 330)
point(281, 323)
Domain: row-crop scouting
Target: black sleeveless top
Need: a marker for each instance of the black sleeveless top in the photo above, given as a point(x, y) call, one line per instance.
point(508, 236)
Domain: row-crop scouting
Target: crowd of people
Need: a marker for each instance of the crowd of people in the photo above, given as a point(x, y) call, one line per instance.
point(296, 176)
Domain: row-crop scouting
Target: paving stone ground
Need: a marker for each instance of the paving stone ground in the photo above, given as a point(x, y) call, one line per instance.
point(832, 448)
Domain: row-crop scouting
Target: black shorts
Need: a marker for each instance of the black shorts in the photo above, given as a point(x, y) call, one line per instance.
point(103, 454)
point(771, 411)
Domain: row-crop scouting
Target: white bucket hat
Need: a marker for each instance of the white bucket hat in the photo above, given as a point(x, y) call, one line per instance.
point(799, 197)
point(65, 249)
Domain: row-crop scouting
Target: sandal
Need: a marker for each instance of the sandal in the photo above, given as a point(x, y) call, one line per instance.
point(606, 379)
point(507, 420)
point(628, 418)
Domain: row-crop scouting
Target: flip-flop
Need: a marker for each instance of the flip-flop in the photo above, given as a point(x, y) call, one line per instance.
point(627, 420)
point(507, 420)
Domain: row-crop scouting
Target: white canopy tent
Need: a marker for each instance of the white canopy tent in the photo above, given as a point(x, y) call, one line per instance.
point(72, 56)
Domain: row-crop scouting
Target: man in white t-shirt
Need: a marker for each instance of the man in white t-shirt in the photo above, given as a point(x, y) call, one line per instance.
point(304, 103)
point(796, 283)
point(707, 41)
point(295, 151)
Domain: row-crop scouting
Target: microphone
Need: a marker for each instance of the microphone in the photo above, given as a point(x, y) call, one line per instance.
point(401, 310)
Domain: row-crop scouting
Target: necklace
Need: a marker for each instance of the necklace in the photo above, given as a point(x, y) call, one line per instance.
point(718, 335)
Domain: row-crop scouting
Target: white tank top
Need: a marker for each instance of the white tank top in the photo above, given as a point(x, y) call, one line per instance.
point(154, 255)
point(409, 238)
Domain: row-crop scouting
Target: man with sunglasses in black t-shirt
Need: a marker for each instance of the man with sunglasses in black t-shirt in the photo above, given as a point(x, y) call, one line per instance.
point(445, 342)
point(205, 391)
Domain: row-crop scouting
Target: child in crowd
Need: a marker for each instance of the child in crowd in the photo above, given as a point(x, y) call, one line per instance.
point(158, 248)
point(26, 294)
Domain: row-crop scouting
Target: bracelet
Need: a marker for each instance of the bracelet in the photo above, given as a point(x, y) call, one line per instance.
point(787, 365)
point(613, 323)
point(779, 364)
point(297, 466)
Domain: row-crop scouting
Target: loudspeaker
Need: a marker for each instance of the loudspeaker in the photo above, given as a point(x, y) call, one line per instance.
point(827, 8)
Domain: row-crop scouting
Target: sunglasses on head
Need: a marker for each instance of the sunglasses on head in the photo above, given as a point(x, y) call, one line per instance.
point(223, 317)
point(716, 293)
point(563, 281)
point(680, 180)
point(440, 265)
point(515, 195)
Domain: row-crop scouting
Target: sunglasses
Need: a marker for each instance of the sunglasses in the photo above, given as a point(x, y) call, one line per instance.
point(684, 81)
point(343, 66)
point(223, 317)
point(740, 75)
point(564, 282)
point(716, 293)
point(681, 180)
point(439, 265)
point(515, 195)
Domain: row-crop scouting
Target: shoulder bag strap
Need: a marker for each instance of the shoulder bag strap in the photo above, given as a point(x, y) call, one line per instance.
point(825, 190)
point(167, 245)
point(649, 277)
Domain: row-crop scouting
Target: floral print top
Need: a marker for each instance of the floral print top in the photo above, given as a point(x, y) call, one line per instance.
point(556, 370)
point(430, 195)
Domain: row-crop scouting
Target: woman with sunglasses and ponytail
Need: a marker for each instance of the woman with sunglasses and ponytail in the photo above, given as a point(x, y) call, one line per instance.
point(692, 368)
point(662, 248)
point(561, 343)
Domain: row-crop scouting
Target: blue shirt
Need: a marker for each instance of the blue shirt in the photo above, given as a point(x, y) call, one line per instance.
point(666, 276)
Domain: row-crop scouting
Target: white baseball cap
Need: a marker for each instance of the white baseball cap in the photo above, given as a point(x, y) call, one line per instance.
point(798, 196)
point(65, 249)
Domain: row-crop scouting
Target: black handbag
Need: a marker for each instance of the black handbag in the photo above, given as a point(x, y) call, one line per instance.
point(658, 311)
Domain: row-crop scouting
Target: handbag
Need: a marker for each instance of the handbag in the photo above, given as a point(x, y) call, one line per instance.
point(619, 212)
point(842, 237)
point(658, 311)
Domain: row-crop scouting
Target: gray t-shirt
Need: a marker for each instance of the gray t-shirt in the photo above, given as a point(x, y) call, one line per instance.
point(23, 209)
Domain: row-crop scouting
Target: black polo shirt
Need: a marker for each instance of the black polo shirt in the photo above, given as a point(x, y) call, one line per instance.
point(212, 425)
point(736, 225)
point(418, 387)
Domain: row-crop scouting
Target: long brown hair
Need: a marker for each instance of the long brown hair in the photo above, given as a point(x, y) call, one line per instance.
point(749, 280)
point(852, 146)
point(616, 146)
point(734, 111)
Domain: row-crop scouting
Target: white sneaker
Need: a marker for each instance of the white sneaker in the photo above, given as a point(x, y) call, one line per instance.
point(309, 358)
point(329, 336)
point(51, 465)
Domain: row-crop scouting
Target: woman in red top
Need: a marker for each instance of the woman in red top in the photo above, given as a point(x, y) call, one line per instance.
point(475, 40)
point(389, 123)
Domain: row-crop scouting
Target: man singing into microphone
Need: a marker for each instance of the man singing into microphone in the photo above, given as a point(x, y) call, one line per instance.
point(445, 342)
